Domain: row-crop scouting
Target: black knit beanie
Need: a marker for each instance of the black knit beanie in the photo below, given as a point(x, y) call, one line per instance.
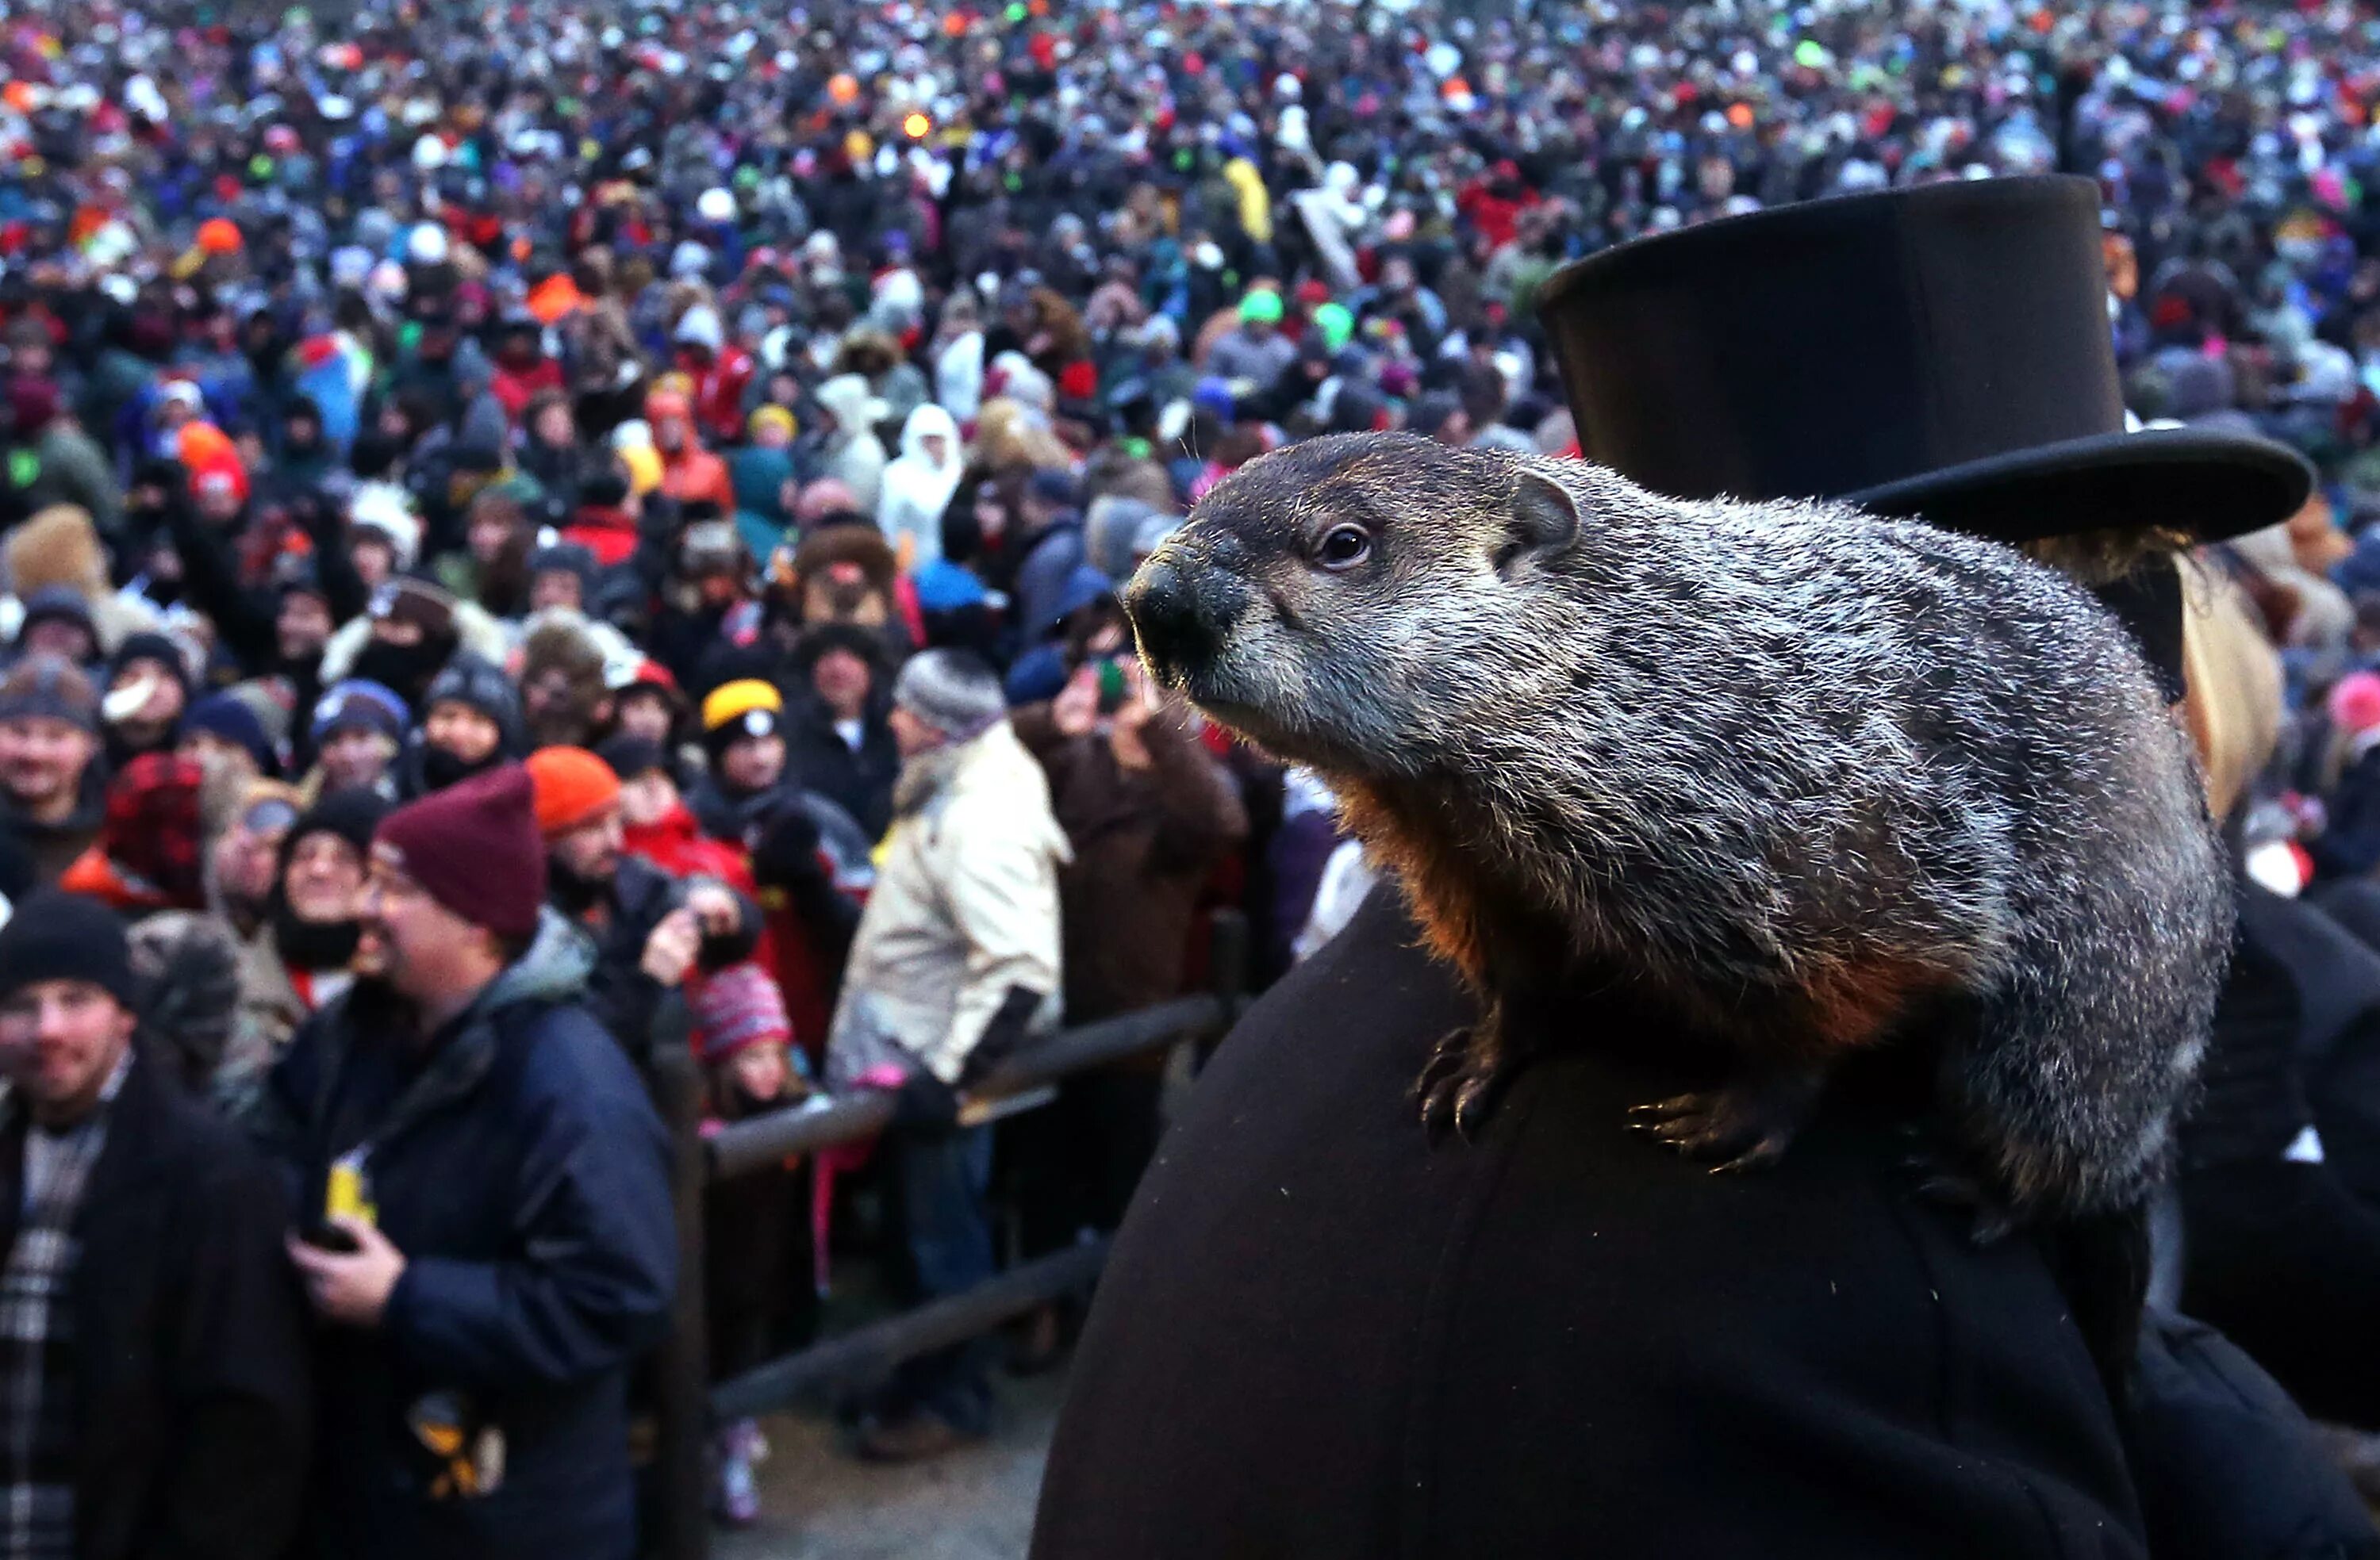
point(351, 813)
point(481, 685)
point(152, 647)
point(630, 756)
point(57, 935)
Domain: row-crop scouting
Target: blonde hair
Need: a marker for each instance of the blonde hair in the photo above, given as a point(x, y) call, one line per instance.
point(2233, 674)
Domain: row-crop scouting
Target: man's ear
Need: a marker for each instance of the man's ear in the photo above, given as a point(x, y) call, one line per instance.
point(1544, 520)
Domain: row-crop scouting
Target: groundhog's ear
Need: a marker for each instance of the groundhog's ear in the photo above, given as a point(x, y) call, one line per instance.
point(1544, 520)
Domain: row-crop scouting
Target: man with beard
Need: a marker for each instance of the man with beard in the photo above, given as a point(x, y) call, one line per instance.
point(155, 1390)
point(470, 723)
point(53, 788)
point(499, 1246)
point(650, 929)
point(298, 961)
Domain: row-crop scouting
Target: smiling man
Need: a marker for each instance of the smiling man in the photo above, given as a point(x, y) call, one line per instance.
point(152, 1391)
point(489, 1238)
point(53, 788)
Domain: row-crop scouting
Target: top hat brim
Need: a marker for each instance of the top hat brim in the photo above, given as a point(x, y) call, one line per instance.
point(2206, 484)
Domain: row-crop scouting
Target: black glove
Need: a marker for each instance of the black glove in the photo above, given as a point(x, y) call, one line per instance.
point(786, 847)
point(1004, 1035)
point(924, 1102)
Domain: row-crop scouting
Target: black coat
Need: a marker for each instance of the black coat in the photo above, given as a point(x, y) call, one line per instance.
point(1320, 1337)
point(2280, 1245)
point(2348, 845)
point(517, 1164)
point(2228, 1464)
point(190, 1394)
point(858, 780)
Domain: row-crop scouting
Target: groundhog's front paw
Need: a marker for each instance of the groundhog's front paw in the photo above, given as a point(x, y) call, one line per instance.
point(1458, 1085)
point(1743, 1125)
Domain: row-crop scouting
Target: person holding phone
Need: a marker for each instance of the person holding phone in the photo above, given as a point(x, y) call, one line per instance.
point(501, 1247)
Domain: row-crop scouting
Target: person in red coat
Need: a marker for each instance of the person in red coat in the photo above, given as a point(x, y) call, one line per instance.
point(721, 371)
point(523, 369)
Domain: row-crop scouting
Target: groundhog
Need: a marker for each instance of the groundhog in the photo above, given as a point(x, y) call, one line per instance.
point(1795, 778)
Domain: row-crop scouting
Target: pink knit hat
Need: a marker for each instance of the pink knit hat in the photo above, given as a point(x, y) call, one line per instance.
point(2355, 702)
point(734, 1009)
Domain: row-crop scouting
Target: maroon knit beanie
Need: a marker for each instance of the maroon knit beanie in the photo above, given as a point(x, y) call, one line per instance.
point(474, 848)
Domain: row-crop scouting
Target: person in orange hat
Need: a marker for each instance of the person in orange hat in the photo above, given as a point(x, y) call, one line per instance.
point(690, 474)
point(650, 930)
point(218, 479)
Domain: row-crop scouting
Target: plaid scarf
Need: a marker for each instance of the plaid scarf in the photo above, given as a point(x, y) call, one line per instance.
point(37, 1432)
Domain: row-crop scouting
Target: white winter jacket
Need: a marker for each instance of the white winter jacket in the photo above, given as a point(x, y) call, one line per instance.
point(964, 910)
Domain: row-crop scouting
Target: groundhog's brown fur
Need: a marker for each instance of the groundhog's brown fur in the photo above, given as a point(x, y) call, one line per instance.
point(1786, 774)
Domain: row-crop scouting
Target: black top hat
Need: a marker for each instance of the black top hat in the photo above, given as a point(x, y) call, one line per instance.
point(1942, 351)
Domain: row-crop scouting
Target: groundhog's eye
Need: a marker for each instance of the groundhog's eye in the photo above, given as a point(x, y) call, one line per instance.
point(1343, 547)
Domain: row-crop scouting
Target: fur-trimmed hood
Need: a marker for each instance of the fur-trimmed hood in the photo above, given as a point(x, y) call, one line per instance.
point(59, 547)
point(561, 640)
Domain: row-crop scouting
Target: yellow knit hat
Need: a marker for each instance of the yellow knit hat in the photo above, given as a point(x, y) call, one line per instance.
point(731, 702)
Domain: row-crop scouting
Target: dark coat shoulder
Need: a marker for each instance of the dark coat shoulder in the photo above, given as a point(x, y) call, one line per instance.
point(1319, 1336)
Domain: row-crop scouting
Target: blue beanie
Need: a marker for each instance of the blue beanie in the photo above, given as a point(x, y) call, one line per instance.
point(360, 703)
point(946, 587)
point(228, 715)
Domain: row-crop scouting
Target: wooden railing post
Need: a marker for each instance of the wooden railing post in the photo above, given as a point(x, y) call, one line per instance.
point(679, 1516)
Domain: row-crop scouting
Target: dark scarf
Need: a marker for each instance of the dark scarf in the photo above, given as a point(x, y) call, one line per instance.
point(441, 768)
point(313, 946)
point(406, 668)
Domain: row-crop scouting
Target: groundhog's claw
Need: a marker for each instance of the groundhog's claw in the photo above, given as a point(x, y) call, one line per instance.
point(1458, 1085)
point(1746, 1125)
point(1712, 1126)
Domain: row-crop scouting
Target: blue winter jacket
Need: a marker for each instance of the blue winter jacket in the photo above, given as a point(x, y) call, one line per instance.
point(517, 1164)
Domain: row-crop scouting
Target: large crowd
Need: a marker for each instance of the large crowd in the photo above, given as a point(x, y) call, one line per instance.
point(539, 523)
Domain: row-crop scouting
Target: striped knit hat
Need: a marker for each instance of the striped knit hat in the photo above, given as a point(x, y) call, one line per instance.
point(952, 691)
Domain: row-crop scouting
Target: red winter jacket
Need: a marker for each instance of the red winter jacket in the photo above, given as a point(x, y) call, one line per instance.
point(719, 388)
point(609, 534)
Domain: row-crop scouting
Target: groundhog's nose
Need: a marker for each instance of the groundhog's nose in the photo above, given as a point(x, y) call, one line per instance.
point(1174, 633)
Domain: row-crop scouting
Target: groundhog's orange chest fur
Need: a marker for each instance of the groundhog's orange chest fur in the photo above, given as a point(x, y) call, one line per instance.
point(1494, 932)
